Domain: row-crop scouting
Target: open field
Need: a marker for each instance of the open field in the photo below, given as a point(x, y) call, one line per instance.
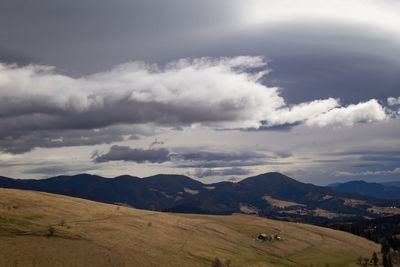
point(41, 229)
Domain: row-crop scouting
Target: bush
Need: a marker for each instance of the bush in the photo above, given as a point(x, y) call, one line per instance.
point(216, 263)
point(50, 230)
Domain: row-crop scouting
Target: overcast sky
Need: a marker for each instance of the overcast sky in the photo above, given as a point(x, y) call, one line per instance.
point(217, 90)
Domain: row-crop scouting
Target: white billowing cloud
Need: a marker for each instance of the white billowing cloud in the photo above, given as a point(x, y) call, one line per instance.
point(345, 173)
point(201, 90)
point(363, 112)
point(25, 89)
point(205, 85)
point(302, 112)
point(216, 92)
point(393, 101)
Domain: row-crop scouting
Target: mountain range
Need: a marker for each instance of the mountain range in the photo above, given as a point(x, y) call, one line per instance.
point(271, 194)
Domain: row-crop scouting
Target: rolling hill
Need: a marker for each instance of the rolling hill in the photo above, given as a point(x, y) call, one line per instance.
point(392, 183)
point(377, 190)
point(272, 194)
point(42, 229)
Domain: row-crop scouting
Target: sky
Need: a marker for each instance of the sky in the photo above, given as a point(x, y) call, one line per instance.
point(216, 90)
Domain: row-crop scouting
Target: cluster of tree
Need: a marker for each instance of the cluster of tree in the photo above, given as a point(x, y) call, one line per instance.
point(365, 261)
point(382, 230)
point(378, 230)
point(386, 254)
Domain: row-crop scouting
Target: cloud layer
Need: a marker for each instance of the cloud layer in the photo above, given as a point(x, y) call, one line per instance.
point(40, 108)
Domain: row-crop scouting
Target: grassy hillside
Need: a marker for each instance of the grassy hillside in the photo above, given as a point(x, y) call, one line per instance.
point(42, 229)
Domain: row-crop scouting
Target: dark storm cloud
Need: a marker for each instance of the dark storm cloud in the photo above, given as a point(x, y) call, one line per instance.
point(124, 153)
point(201, 173)
point(21, 142)
point(123, 111)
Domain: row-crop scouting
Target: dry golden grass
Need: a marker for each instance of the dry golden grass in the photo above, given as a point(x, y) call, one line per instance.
point(247, 209)
point(191, 191)
point(314, 212)
point(280, 203)
point(353, 202)
point(387, 211)
point(88, 233)
point(326, 213)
